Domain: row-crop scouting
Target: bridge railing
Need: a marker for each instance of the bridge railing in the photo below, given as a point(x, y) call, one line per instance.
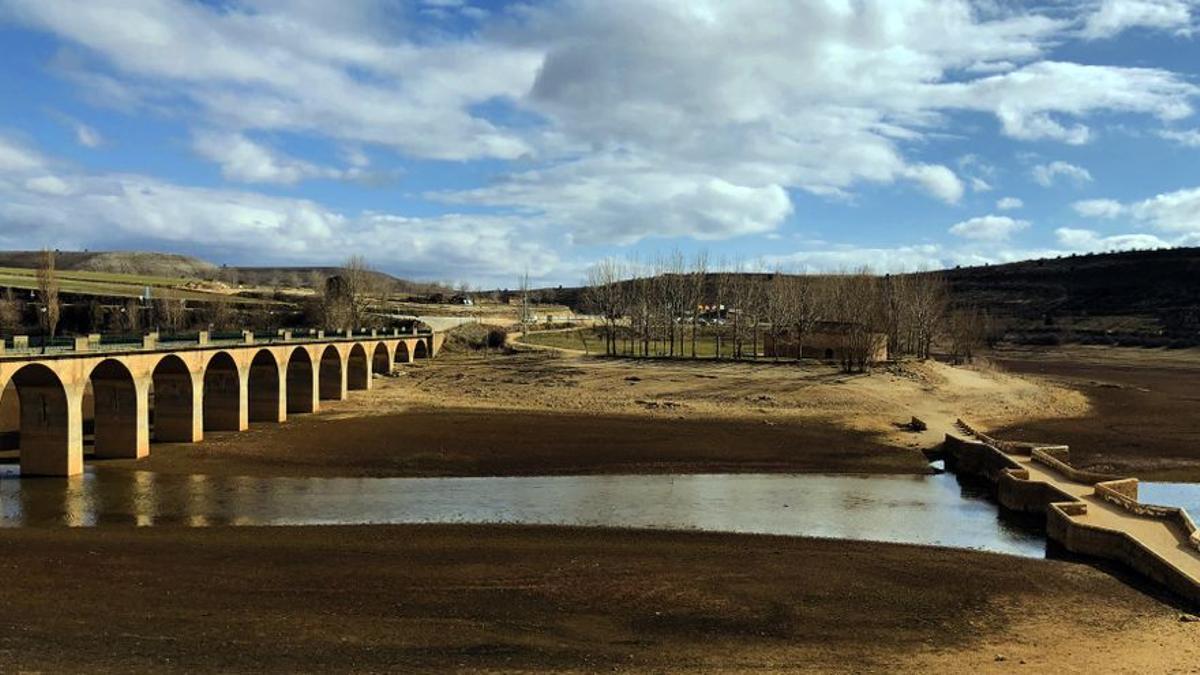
point(25, 345)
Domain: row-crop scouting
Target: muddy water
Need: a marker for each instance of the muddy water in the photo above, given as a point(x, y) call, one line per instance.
point(912, 509)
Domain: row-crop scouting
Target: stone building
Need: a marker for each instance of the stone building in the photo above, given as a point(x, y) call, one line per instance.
point(830, 341)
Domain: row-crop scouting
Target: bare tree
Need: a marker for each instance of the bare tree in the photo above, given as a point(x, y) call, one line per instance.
point(171, 312)
point(965, 329)
point(928, 301)
point(526, 312)
point(51, 306)
point(220, 314)
point(695, 296)
point(362, 288)
point(131, 316)
point(606, 292)
point(11, 312)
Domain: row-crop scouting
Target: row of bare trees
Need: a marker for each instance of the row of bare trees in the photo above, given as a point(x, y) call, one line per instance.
point(664, 307)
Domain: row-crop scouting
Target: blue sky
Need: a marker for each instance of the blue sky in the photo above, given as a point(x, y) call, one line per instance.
point(470, 141)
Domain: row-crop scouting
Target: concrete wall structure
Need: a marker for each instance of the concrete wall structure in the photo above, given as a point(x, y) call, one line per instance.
point(191, 387)
point(1161, 543)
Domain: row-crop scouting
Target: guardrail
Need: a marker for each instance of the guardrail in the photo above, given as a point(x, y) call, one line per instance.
point(20, 346)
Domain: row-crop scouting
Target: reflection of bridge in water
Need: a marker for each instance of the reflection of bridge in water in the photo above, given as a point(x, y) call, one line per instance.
point(174, 391)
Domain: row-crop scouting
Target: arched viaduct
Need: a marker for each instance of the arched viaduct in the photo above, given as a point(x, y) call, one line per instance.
point(175, 391)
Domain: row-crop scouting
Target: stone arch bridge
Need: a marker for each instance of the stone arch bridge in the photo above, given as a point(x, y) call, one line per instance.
point(174, 391)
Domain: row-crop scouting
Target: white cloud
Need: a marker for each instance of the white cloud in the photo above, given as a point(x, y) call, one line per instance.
point(89, 210)
point(48, 184)
point(14, 157)
point(1187, 137)
point(1115, 16)
point(844, 258)
point(295, 68)
point(1047, 174)
point(615, 121)
point(980, 185)
point(1009, 203)
point(87, 136)
point(1177, 211)
point(1088, 240)
point(242, 159)
point(1098, 208)
point(988, 228)
point(608, 199)
point(937, 180)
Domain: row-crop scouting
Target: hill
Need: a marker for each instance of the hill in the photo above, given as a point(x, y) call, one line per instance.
point(1132, 292)
point(1134, 297)
point(138, 263)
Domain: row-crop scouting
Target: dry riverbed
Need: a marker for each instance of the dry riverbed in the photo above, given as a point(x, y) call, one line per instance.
point(544, 413)
point(456, 598)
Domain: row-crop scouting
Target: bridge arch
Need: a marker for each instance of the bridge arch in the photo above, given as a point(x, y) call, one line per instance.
point(358, 371)
point(402, 353)
point(300, 377)
point(332, 380)
point(381, 360)
point(121, 419)
point(51, 423)
point(420, 350)
point(263, 391)
point(223, 399)
point(174, 415)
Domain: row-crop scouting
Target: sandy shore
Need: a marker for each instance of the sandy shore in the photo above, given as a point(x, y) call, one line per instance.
point(445, 598)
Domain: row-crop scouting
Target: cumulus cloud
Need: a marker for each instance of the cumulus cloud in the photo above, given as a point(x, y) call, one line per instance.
point(1090, 241)
point(988, 228)
point(1047, 174)
point(1098, 208)
point(1177, 211)
point(1112, 17)
point(103, 210)
point(1009, 203)
point(607, 122)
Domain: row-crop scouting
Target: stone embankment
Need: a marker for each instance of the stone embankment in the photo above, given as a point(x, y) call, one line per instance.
point(1087, 512)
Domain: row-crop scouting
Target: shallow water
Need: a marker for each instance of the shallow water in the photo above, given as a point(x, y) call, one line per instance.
point(1183, 495)
point(911, 509)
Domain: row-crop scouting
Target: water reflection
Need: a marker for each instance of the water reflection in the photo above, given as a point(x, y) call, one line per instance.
point(911, 509)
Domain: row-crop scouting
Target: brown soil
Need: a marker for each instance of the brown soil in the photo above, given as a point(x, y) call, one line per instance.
point(443, 598)
point(1145, 404)
point(541, 413)
point(483, 442)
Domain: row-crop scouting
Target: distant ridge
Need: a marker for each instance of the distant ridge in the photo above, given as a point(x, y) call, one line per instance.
point(117, 262)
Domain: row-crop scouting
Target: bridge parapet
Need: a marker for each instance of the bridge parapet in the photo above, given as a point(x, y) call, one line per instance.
point(93, 344)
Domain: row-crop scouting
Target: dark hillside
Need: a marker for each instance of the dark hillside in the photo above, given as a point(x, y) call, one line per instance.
point(1134, 292)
